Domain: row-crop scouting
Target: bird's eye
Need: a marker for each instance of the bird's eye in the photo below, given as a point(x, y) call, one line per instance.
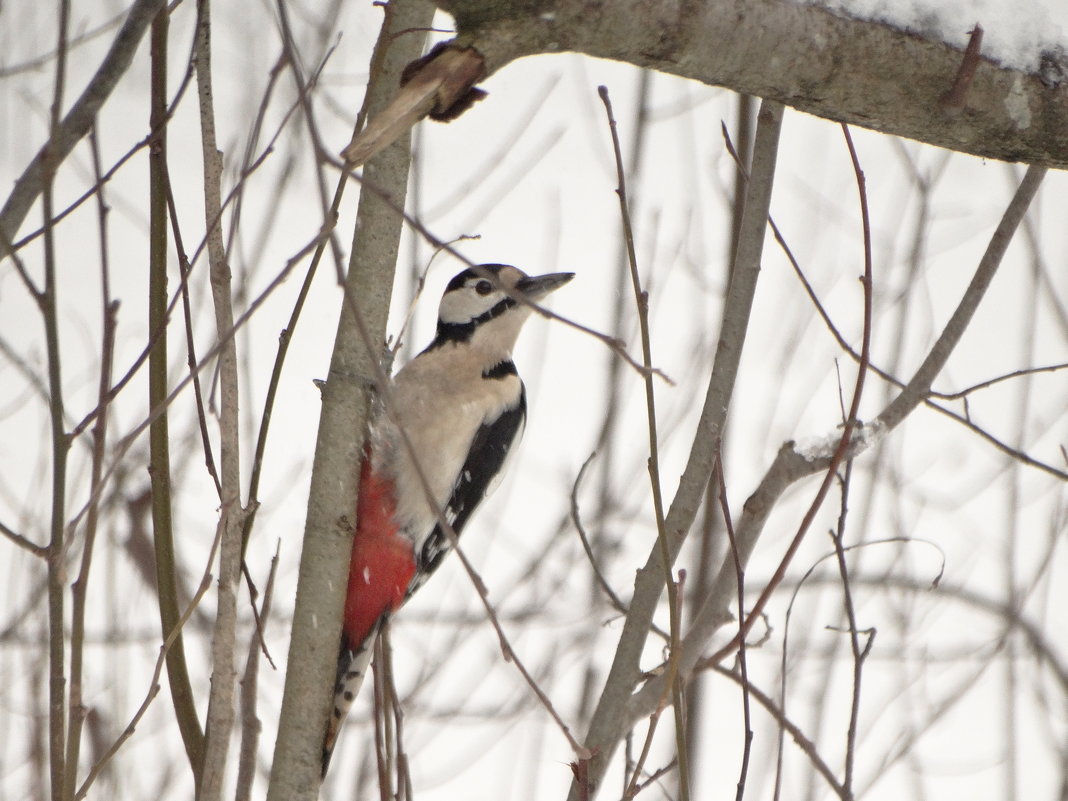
point(483, 287)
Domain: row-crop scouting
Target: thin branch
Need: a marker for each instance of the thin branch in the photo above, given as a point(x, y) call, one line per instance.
point(1004, 447)
point(743, 662)
point(220, 719)
point(153, 687)
point(286, 334)
point(790, 465)
point(79, 590)
point(234, 193)
point(806, 745)
point(920, 385)
point(610, 719)
point(160, 408)
point(641, 301)
point(859, 654)
point(607, 443)
point(787, 461)
point(889, 377)
point(851, 421)
point(23, 542)
point(780, 712)
point(1050, 368)
point(190, 345)
point(402, 768)
point(60, 440)
point(847, 595)
point(602, 582)
point(381, 721)
point(250, 722)
point(78, 120)
point(181, 687)
point(613, 343)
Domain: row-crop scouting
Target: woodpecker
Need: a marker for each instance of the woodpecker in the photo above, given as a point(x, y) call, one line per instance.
point(461, 406)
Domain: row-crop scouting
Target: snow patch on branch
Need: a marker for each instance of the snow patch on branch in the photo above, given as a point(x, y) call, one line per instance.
point(865, 436)
point(1021, 34)
point(1016, 105)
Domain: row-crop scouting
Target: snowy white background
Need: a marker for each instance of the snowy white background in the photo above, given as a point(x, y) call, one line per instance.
point(529, 170)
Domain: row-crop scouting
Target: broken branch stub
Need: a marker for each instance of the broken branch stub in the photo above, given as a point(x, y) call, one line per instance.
point(440, 85)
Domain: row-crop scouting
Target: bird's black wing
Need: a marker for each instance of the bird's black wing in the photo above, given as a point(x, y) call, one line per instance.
point(488, 453)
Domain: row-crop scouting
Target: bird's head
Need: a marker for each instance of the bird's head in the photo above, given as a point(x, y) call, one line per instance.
point(487, 305)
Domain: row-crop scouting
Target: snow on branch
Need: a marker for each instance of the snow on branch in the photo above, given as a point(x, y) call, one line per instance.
point(865, 72)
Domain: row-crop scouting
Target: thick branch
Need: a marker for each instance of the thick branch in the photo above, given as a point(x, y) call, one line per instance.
point(849, 70)
point(324, 560)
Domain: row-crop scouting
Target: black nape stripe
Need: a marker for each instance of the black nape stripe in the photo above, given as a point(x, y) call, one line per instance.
point(501, 370)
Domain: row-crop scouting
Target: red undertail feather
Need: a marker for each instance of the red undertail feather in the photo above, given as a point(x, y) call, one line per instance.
point(383, 562)
point(380, 571)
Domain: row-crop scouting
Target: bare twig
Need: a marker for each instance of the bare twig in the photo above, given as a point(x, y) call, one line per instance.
point(919, 386)
point(1016, 453)
point(60, 439)
point(78, 711)
point(611, 342)
point(23, 542)
point(250, 722)
point(851, 420)
point(743, 662)
point(803, 742)
point(641, 301)
point(602, 582)
point(790, 465)
point(78, 120)
point(190, 344)
point(158, 409)
point(159, 438)
point(153, 686)
point(286, 335)
point(220, 718)
point(611, 718)
point(780, 712)
point(859, 653)
point(787, 464)
point(602, 541)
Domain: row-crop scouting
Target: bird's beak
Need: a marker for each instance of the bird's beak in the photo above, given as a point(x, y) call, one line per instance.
point(536, 287)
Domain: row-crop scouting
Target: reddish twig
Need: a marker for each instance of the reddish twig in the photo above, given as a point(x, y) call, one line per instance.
point(953, 100)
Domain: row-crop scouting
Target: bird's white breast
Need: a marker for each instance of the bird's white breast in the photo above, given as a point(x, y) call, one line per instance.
point(440, 399)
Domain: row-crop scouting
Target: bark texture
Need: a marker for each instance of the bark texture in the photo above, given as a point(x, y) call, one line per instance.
point(324, 561)
point(849, 70)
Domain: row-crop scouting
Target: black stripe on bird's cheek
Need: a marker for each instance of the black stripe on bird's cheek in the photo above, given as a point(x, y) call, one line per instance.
point(462, 332)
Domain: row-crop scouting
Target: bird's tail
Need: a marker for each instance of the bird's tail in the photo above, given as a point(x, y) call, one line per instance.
point(352, 665)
